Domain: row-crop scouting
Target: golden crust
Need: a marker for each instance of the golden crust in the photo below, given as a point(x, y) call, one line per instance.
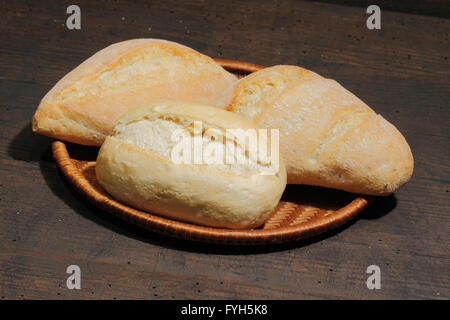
point(199, 193)
point(328, 137)
point(84, 105)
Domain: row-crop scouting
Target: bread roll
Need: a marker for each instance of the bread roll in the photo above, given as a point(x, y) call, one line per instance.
point(84, 105)
point(328, 137)
point(136, 166)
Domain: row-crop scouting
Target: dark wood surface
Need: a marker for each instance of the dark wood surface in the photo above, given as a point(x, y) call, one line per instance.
point(402, 71)
point(435, 8)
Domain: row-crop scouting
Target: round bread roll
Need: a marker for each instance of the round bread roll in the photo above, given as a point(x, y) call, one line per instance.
point(193, 163)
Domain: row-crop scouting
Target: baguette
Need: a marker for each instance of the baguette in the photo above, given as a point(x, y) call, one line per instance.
point(328, 137)
point(84, 105)
point(135, 165)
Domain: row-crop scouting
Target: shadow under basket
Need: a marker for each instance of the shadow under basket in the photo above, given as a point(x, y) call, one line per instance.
point(303, 212)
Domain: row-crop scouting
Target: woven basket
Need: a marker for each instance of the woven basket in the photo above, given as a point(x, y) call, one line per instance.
point(302, 213)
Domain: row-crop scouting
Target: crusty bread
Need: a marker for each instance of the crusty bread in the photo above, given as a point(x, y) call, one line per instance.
point(84, 105)
point(135, 165)
point(328, 137)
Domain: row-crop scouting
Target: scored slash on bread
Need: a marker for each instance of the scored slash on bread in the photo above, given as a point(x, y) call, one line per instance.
point(84, 105)
point(328, 136)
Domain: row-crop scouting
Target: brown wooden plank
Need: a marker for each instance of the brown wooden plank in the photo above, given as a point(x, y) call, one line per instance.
point(436, 8)
point(402, 71)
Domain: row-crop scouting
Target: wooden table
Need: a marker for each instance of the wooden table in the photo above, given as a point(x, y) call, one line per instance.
point(402, 71)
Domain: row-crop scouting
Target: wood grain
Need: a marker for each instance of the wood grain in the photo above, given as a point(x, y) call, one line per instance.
point(402, 71)
point(436, 8)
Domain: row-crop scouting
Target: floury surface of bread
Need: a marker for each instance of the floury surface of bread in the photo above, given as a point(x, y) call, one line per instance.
point(135, 165)
point(328, 137)
point(84, 105)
